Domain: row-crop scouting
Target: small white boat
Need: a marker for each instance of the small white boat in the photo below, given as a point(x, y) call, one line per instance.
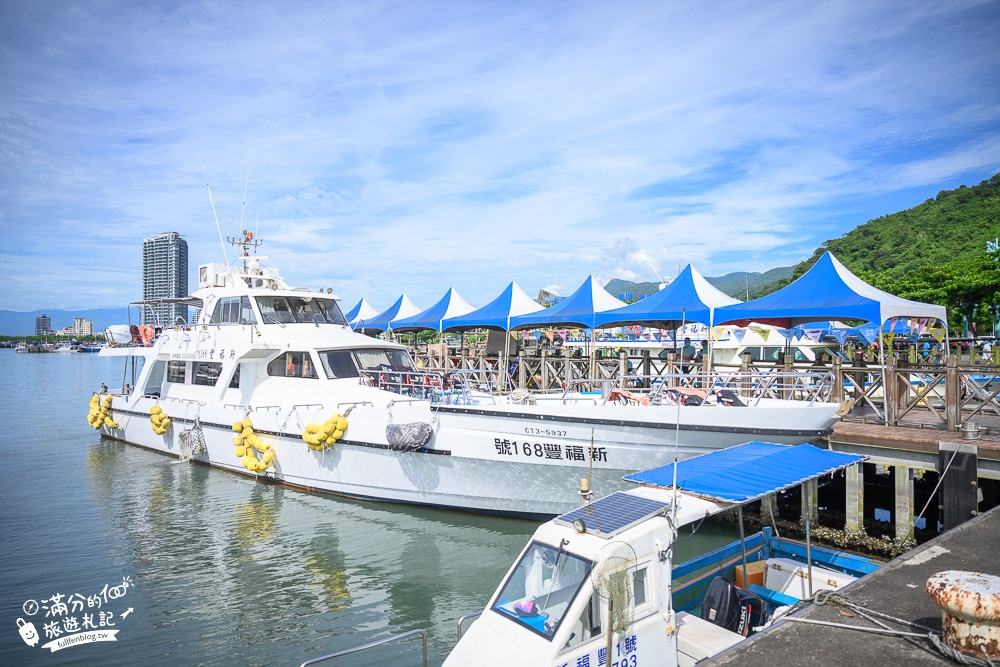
point(598, 586)
point(326, 409)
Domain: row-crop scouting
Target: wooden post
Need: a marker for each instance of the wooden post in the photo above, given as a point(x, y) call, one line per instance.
point(671, 366)
point(952, 393)
point(522, 371)
point(810, 501)
point(545, 370)
point(889, 389)
point(838, 380)
point(855, 519)
point(904, 501)
point(568, 361)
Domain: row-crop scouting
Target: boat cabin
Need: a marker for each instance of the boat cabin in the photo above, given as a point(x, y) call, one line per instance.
point(599, 585)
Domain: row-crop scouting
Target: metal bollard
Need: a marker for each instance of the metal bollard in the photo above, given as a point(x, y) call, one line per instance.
point(970, 611)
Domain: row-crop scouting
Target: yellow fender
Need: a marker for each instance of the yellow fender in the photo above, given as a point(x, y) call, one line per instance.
point(247, 446)
point(159, 420)
point(322, 436)
point(100, 412)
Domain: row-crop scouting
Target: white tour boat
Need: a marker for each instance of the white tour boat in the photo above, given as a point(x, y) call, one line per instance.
point(271, 382)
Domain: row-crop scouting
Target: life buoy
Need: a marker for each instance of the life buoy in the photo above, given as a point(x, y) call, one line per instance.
point(147, 333)
point(635, 329)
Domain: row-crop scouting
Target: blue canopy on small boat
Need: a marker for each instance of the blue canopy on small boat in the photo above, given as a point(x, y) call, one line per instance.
point(747, 472)
point(689, 298)
point(827, 291)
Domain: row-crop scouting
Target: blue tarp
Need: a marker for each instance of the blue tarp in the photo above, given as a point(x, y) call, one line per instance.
point(451, 305)
point(827, 291)
point(747, 472)
point(689, 298)
point(578, 310)
point(497, 313)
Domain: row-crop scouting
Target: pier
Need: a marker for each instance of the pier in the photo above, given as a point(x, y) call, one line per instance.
point(914, 417)
point(896, 589)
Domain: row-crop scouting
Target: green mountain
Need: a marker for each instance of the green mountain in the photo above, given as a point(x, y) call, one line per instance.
point(953, 226)
point(733, 284)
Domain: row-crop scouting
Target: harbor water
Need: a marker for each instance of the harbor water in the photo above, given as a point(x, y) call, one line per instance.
point(142, 559)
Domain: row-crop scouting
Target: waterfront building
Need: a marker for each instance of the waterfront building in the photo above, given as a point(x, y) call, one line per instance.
point(43, 325)
point(164, 276)
point(82, 327)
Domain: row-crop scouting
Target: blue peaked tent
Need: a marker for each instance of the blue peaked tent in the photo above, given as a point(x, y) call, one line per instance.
point(578, 310)
point(827, 291)
point(361, 311)
point(451, 305)
point(689, 298)
point(497, 313)
point(386, 319)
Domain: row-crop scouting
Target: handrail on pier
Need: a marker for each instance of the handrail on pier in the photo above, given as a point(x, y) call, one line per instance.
point(365, 647)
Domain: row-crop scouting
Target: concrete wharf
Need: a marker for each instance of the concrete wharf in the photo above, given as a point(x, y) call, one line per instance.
point(896, 589)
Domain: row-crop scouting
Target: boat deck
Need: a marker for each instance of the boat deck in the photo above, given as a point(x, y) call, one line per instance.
point(897, 589)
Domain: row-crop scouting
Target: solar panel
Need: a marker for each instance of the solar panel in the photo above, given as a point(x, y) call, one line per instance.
point(612, 514)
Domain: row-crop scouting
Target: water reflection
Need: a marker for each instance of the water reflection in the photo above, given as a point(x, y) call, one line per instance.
point(227, 563)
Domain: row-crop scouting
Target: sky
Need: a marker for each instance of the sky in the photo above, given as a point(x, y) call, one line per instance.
point(412, 147)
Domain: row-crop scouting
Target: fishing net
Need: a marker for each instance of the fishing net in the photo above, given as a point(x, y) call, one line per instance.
point(612, 579)
point(191, 442)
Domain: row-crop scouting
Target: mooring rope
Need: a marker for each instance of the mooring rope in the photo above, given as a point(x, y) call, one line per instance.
point(928, 635)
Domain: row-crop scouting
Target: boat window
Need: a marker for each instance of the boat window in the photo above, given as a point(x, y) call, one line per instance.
point(207, 373)
point(234, 383)
point(155, 381)
point(771, 353)
point(303, 309)
point(799, 355)
point(754, 353)
point(338, 364)
point(379, 359)
point(233, 310)
point(541, 588)
point(588, 626)
point(175, 371)
point(332, 311)
point(639, 587)
point(292, 365)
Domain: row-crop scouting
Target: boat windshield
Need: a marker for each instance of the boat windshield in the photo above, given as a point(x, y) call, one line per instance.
point(384, 360)
point(304, 309)
point(541, 588)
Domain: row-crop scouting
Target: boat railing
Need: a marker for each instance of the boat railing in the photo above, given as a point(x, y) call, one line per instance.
point(748, 387)
point(466, 617)
point(446, 388)
point(381, 642)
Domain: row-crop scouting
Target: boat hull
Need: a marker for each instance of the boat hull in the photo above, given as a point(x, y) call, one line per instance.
point(523, 461)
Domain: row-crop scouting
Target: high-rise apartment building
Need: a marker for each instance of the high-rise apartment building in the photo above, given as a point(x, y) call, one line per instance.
point(43, 325)
point(164, 276)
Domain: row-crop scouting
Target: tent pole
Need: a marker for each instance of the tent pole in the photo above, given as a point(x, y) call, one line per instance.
point(743, 548)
